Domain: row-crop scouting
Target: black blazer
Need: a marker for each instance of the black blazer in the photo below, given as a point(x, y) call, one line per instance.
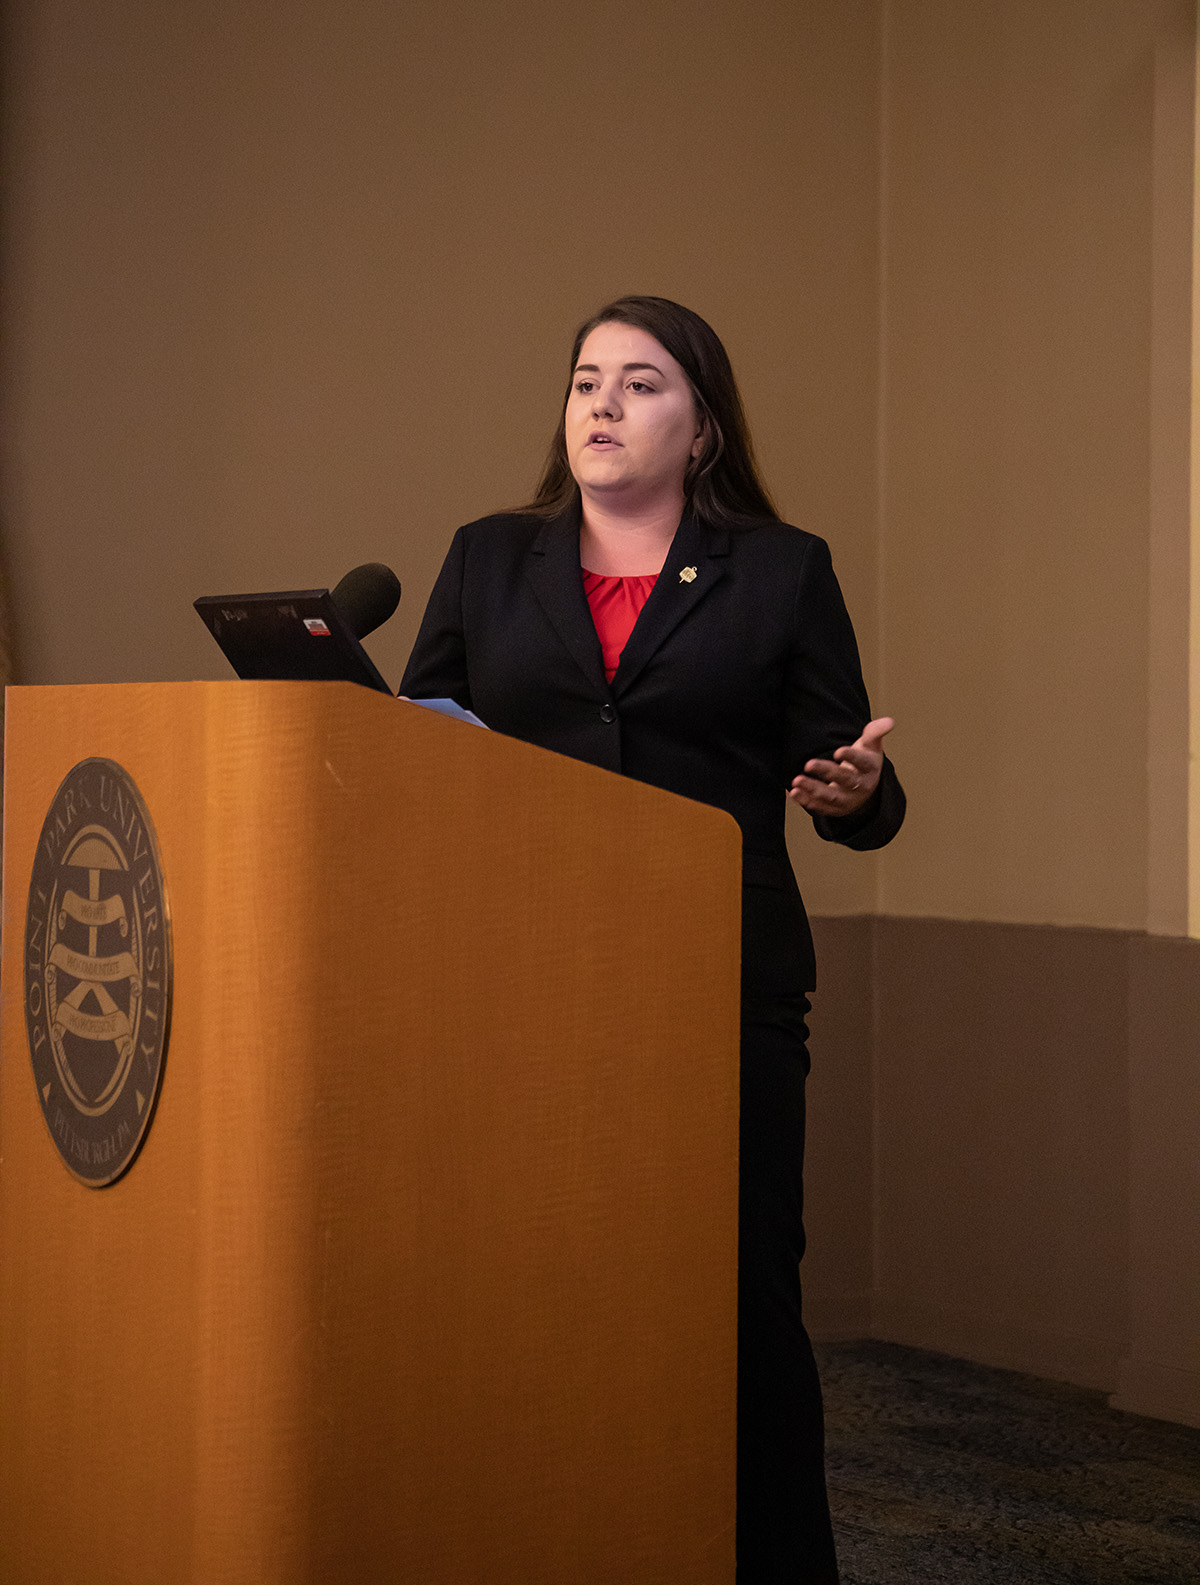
point(731, 680)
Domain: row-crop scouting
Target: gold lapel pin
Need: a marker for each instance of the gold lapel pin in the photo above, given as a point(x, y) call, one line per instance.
point(688, 575)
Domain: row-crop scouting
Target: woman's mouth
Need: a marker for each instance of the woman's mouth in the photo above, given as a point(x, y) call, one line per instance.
point(600, 438)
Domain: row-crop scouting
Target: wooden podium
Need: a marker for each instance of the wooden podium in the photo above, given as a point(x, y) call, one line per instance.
point(425, 1273)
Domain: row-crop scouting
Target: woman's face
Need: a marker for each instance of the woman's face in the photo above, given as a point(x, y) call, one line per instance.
point(631, 425)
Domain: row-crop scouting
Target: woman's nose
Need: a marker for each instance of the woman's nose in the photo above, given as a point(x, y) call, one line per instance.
point(604, 405)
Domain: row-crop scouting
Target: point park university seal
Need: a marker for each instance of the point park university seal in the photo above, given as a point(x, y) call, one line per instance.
point(97, 971)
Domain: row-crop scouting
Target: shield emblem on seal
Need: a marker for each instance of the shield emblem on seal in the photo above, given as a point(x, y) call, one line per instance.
point(97, 971)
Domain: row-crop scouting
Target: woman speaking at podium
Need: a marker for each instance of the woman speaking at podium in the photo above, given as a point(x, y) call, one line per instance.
point(648, 612)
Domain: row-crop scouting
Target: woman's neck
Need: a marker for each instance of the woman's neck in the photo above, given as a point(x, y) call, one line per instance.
point(627, 544)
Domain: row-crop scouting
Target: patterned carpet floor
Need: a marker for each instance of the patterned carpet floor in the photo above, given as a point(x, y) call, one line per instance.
point(947, 1473)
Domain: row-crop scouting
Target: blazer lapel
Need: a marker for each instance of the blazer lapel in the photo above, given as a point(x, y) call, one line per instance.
point(696, 549)
point(555, 575)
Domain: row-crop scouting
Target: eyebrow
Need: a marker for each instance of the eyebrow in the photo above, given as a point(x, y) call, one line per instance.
point(626, 368)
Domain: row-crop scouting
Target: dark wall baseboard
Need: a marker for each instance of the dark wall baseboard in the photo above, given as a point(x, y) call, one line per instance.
point(1004, 1150)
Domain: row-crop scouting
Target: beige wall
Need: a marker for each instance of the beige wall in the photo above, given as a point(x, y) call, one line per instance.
point(287, 289)
point(292, 287)
point(1020, 279)
point(1032, 1151)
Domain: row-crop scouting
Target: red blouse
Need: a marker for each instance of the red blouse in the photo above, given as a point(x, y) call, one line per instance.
point(615, 604)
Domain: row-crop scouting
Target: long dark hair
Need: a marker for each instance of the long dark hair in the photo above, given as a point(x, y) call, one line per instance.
point(722, 485)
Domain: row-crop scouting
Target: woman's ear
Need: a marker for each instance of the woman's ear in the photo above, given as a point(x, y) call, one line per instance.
point(701, 439)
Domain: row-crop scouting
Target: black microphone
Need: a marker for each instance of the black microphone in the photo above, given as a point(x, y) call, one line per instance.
point(367, 596)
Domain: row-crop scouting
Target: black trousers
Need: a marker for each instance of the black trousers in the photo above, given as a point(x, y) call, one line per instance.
point(784, 1535)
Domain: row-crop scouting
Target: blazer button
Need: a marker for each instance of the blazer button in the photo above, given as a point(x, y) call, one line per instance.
point(608, 714)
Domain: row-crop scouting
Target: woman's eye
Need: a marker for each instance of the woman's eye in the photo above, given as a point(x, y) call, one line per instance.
point(583, 386)
point(638, 385)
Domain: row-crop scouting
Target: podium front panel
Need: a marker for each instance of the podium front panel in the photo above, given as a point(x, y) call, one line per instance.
point(426, 1269)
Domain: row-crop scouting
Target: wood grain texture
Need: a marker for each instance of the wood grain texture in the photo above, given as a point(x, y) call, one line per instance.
point(427, 1268)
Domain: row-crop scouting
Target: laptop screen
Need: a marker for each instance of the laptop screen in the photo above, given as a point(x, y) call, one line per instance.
point(296, 635)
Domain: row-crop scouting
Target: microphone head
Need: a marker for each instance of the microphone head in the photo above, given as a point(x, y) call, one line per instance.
point(367, 596)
